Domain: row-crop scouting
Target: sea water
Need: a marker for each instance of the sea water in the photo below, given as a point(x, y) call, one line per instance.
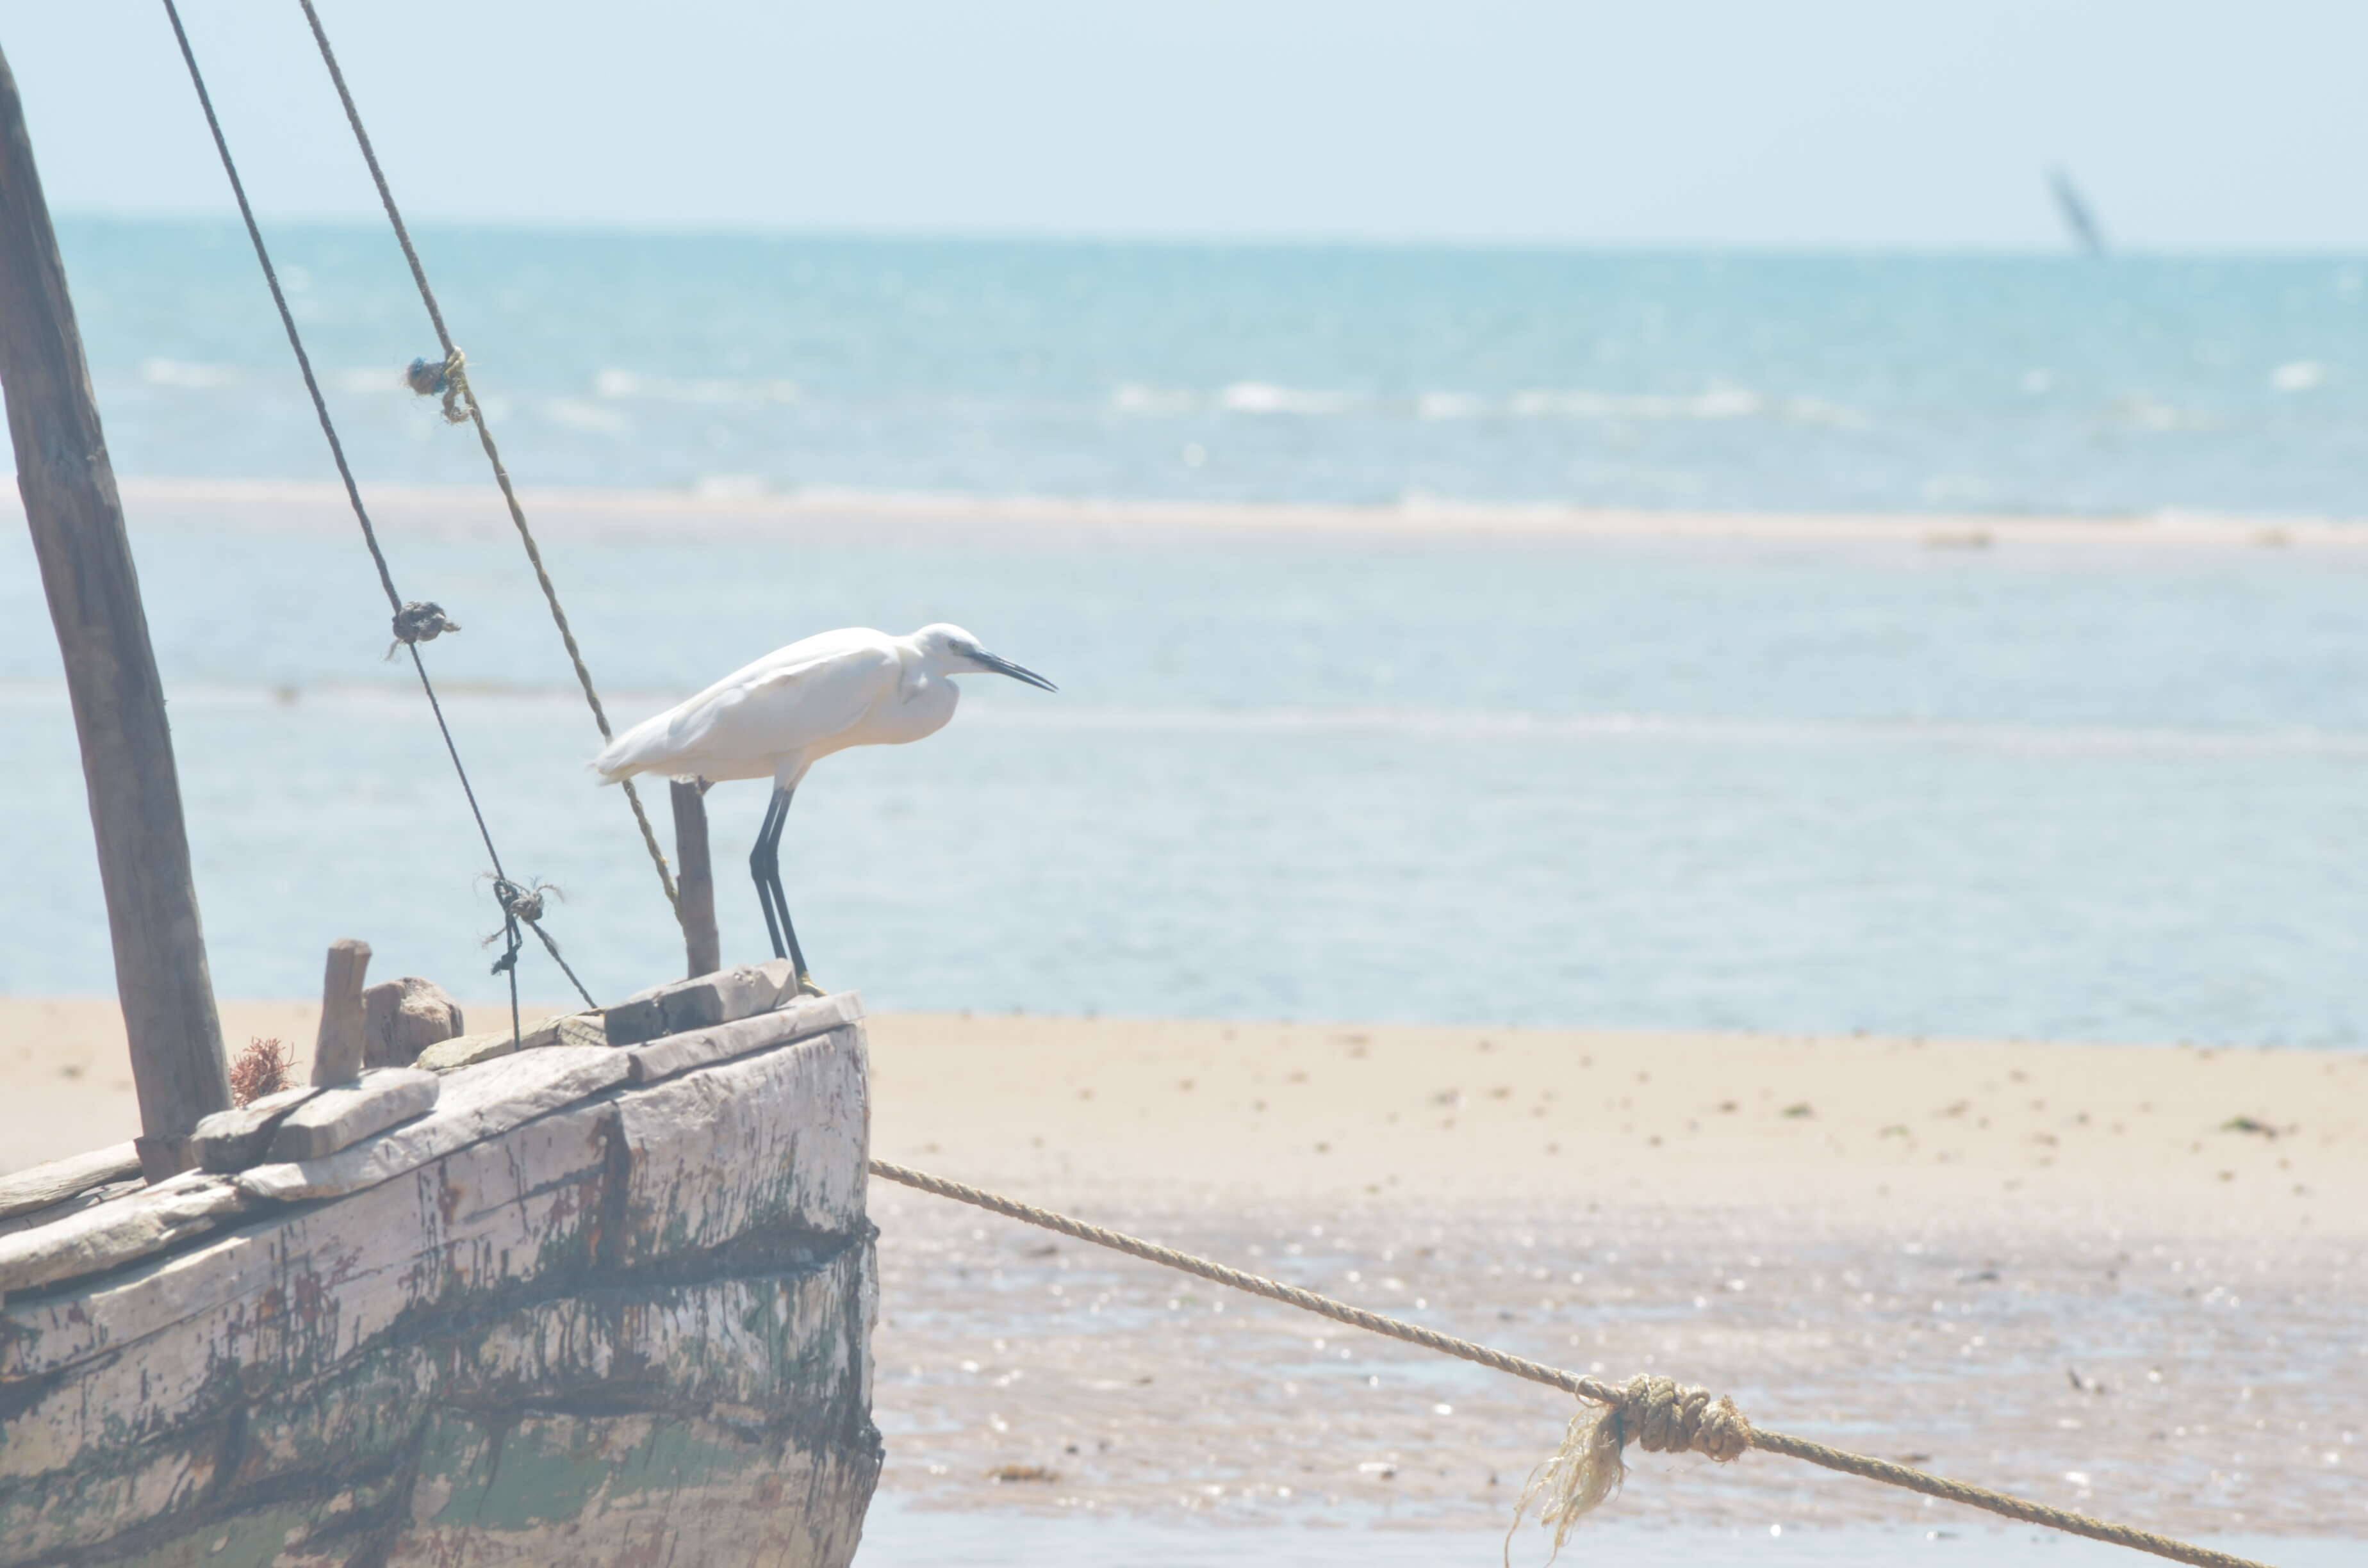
point(1791, 382)
point(2080, 792)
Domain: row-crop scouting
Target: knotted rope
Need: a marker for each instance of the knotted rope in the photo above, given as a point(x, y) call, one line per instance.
point(1661, 1415)
point(523, 906)
point(415, 621)
point(445, 381)
point(450, 381)
point(1657, 1412)
point(419, 621)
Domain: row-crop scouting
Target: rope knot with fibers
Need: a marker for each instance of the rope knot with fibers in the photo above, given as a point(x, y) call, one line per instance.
point(1660, 1416)
point(419, 621)
point(519, 903)
point(445, 380)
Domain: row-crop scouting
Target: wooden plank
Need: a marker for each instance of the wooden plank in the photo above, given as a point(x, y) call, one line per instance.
point(694, 880)
point(109, 1234)
point(477, 1103)
point(774, 1140)
point(344, 1038)
point(466, 1051)
point(665, 1057)
point(299, 1287)
point(76, 519)
point(496, 1212)
point(107, 1192)
point(234, 1139)
point(38, 1187)
point(336, 1119)
point(727, 995)
point(568, 1029)
point(700, 1002)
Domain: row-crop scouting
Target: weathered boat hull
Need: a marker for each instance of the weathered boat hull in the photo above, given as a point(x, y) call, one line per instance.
point(633, 1329)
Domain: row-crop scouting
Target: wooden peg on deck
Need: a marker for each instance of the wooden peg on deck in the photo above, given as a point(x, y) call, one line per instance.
point(345, 1033)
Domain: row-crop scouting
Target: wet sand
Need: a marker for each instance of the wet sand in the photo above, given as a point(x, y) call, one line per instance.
point(2123, 1279)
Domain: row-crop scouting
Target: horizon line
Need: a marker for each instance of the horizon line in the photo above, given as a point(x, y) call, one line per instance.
point(962, 234)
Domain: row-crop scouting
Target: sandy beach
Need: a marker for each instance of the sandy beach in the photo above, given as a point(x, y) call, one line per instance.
point(2119, 1279)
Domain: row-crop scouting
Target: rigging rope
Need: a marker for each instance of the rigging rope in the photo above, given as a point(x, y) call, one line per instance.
point(1654, 1412)
point(460, 404)
point(413, 622)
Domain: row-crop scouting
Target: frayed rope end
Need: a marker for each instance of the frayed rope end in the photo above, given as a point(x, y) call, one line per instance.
point(1662, 1414)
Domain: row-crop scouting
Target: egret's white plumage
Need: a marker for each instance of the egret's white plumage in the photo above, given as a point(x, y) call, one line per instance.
point(776, 717)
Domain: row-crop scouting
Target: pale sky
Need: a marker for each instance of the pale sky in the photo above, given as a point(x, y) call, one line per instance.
point(1805, 123)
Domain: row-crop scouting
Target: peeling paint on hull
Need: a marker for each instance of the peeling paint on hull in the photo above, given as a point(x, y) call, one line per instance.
point(632, 1330)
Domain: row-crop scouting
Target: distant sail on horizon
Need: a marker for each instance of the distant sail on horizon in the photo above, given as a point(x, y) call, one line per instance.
point(2077, 215)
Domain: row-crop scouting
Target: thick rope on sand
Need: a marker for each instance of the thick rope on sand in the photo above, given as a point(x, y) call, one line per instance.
point(1657, 1414)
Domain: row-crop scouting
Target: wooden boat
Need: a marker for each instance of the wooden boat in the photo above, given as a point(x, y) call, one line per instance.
point(598, 1294)
point(600, 1304)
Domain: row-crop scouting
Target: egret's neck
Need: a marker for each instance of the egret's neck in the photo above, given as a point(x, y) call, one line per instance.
point(924, 667)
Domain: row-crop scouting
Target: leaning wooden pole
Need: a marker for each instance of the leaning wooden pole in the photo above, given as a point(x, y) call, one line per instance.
point(118, 703)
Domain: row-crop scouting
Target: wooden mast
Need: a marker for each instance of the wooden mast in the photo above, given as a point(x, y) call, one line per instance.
point(118, 703)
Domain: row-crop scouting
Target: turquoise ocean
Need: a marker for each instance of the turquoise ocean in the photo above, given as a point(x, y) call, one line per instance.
point(2080, 791)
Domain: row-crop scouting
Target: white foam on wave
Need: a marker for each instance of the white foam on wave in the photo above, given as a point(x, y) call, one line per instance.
point(617, 384)
point(575, 413)
point(1265, 397)
point(1719, 400)
point(1137, 397)
point(2143, 411)
point(188, 375)
point(1449, 405)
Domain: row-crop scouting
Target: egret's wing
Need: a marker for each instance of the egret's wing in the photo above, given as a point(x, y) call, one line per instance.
point(785, 702)
point(795, 706)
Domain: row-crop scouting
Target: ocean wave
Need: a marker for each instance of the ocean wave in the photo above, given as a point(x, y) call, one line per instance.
point(619, 385)
point(2143, 411)
point(1265, 397)
point(575, 413)
point(201, 376)
point(186, 375)
point(1719, 400)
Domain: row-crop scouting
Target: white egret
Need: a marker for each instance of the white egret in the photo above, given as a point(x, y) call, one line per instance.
point(777, 717)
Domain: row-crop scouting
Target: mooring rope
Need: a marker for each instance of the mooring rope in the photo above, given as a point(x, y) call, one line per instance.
point(1657, 1412)
point(415, 621)
point(451, 380)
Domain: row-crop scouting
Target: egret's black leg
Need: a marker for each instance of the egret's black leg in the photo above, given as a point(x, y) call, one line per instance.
point(781, 899)
point(765, 867)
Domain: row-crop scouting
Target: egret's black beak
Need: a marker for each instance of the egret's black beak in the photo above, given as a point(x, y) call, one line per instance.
point(1004, 666)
